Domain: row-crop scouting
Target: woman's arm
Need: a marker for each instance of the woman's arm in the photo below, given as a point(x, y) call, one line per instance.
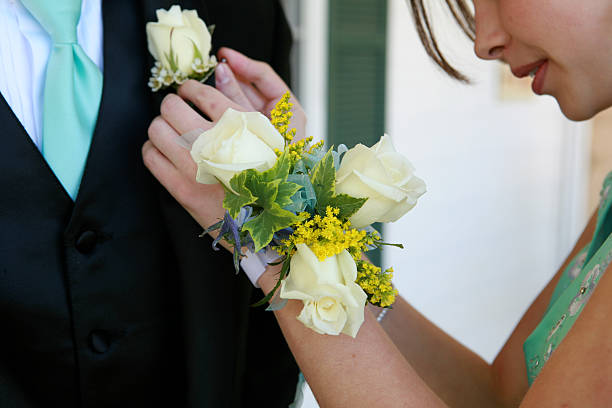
point(459, 376)
point(370, 370)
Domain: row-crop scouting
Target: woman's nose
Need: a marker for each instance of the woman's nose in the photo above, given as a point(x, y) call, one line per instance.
point(491, 37)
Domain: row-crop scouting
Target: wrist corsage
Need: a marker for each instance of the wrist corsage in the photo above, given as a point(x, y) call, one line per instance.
point(313, 206)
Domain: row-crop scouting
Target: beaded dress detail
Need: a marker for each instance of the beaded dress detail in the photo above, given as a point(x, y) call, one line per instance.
point(573, 291)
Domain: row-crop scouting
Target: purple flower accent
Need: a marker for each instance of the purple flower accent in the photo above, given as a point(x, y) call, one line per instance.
point(229, 227)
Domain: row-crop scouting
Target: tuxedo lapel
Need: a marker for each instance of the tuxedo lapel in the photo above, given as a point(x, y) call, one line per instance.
point(21, 152)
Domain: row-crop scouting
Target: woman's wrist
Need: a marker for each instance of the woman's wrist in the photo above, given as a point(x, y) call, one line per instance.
point(267, 281)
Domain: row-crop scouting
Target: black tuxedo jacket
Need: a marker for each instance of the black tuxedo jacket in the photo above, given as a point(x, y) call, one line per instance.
point(113, 300)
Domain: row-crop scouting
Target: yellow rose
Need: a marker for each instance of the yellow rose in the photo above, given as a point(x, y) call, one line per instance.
point(383, 176)
point(239, 141)
point(178, 33)
point(333, 302)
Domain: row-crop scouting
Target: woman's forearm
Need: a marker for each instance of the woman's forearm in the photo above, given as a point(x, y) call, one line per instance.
point(366, 371)
point(456, 374)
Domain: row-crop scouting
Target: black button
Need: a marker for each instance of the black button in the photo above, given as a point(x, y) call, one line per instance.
point(86, 242)
point(99, 341)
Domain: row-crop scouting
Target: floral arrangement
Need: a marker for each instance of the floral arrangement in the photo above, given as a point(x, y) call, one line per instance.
point(313, 206)
point(180, 42)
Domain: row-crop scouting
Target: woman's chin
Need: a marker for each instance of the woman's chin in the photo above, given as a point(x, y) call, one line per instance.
point(579, 106)
point(577, 112)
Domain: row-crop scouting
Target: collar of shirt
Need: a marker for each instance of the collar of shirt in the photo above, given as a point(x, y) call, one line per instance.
point(24, 50)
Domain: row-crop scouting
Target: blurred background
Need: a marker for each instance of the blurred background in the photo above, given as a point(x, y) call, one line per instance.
point(511, 182)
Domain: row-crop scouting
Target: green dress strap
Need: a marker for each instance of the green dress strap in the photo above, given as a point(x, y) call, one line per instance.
point(574, 289)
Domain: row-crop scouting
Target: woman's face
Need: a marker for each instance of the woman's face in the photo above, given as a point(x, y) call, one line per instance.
point(566, 44)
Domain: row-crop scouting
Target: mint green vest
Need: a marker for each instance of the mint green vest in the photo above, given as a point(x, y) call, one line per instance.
point(574, 289)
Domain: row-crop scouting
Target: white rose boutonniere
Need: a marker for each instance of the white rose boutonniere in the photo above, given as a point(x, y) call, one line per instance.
point(333, 302)
point(239, 141)
point(383, 176)
point(180, 42)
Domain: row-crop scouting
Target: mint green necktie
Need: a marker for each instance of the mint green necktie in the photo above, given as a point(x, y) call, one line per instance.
point(72, 92)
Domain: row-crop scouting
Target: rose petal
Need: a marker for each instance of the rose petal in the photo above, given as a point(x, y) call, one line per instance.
point(222, 172)
point(261, 126)
point(183, 40)
point(354, 158)
point(158, 41)
point(171, 17)
point(199, 27)
point(329, 326)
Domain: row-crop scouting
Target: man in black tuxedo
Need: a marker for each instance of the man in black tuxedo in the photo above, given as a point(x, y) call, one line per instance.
point(113, 300)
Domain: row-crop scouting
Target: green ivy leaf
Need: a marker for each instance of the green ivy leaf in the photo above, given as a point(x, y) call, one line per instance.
point(280, 170)
point(286, 190)
point(271, 219)
point(323, 180)
point(241, 196)
point(348, 205)
point(265, 191)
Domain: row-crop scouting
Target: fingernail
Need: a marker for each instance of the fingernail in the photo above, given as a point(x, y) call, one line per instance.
point(222, 74)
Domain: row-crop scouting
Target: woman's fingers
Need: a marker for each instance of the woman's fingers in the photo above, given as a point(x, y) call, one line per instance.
point(255, 97)
point(208, 100)
point(181, 116)
point(162, 169)
point(202, 201)
point(258, 73)
point(164, 138)
point(226, 82)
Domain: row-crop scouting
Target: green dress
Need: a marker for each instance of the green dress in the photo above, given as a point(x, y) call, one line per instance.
point(573, 291)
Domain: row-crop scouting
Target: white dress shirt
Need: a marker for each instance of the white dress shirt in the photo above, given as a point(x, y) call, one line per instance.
point(24, 50)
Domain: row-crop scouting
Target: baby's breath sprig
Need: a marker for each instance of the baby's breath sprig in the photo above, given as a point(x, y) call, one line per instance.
point(376, 283)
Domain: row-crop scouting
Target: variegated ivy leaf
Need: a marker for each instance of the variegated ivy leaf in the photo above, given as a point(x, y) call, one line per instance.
point(280, 170)
point(323, 180)
point(270, 220)
point(346, 204)
point(241, 196)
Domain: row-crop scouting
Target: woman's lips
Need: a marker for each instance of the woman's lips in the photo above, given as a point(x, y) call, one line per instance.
point(539, 68)
point(538, 81)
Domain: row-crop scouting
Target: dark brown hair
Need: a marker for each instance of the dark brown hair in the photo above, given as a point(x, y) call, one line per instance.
point(462, 13)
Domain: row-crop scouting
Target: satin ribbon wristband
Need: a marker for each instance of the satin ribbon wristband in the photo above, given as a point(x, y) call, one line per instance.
point(255, 264)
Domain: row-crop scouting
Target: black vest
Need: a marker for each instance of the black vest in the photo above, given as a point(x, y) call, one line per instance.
point(113, 300)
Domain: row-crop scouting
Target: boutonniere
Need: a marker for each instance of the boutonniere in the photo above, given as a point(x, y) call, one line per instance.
point(180, 42)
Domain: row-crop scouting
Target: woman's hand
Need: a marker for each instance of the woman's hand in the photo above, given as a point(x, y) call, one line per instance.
point(255, 85)
point(172, 164)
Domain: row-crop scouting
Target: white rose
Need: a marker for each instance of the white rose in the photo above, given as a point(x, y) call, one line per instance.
point(333, 302)
point(180, 32)
point(239, 141)
point(383, 176)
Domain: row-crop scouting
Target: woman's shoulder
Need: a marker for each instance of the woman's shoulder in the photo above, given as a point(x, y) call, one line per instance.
point(580, 370)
